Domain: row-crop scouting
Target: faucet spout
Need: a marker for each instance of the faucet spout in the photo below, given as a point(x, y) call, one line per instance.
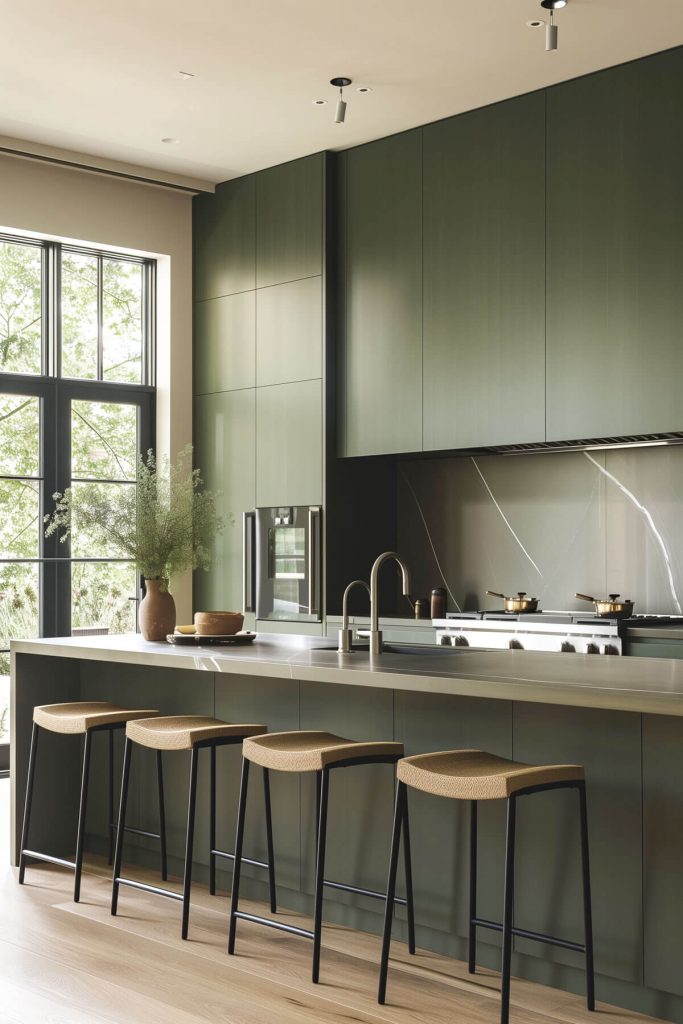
point(345, 632)
point(375, 632)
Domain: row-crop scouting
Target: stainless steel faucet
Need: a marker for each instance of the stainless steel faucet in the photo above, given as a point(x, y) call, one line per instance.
point(375, 632)
point(345, 633)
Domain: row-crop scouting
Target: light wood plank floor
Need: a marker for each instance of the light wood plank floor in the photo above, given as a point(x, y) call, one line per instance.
point(62, 963)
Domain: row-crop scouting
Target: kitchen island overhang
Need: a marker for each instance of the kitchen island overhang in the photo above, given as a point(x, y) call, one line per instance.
point(619, 717)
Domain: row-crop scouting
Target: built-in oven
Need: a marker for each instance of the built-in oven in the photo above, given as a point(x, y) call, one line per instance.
point(283, 563)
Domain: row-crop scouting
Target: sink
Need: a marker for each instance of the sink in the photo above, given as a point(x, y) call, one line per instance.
point(416, 650)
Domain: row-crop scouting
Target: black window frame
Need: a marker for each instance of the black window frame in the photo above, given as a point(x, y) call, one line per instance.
point(55, 394)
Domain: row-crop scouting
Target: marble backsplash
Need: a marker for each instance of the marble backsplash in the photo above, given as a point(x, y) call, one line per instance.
point(550, 524)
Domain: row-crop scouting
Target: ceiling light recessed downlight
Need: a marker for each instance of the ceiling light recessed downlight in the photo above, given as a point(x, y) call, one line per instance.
point(340, 112)
point(363, 89)
point(169, 141)
point(319, 103)
point(535, 23)
point(185, 76)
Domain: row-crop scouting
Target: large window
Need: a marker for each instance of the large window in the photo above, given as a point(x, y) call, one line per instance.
point(76, 408)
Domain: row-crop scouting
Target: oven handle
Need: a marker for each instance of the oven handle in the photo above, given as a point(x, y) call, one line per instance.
point(249, 561)
point(314, 552)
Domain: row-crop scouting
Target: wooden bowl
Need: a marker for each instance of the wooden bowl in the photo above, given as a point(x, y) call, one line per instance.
point(218, 623)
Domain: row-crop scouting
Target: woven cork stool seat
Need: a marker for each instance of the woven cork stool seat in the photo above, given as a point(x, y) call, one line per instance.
point(312, 751)
point(80, 716)
point(182, 732)
point(476, 775)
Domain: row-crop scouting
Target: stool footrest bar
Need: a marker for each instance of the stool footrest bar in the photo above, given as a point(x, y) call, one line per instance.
point(49, 859)
point(278, 925)
point(245, 860)
point(523, 933)
point(140, 832)
point(154, 889)
point(362, 892)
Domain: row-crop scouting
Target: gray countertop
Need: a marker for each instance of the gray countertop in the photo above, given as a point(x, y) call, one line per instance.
point(652, 685)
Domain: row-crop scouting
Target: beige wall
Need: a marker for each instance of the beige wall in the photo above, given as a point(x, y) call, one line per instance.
point(74, 205)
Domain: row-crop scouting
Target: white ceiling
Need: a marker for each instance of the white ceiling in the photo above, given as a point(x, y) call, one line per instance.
point(100, 78)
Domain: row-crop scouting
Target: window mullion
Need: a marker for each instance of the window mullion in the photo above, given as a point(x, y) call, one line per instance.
point(100, 318)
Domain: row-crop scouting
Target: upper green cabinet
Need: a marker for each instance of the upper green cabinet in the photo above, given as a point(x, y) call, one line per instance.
point(224, 239)
point(289, 340)
point(224, 343)
point(289, 236)
point(615, 251)
point(484, 276)
point(381, 402)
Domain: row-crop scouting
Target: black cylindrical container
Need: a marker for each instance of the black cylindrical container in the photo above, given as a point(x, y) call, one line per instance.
point(438, 608)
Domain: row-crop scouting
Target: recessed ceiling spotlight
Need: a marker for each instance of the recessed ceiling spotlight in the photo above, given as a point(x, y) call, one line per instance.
point(535, 23)
point(340, 111)
point(319, 103)
point(170, 142)
point(363, 88)
point(184, 75)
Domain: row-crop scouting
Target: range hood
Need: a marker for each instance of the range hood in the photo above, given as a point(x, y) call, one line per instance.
point(588, 444)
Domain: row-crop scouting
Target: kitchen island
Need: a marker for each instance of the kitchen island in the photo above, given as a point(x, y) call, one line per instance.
point(620, 717)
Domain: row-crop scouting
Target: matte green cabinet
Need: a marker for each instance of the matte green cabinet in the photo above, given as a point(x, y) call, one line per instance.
point(224, 343)
point(382, 227)
point(289, 340)
point(224, 239)
point(289, 448)
point(615, 251)
point(484, 276)
point(225, 440)
point(289, 206)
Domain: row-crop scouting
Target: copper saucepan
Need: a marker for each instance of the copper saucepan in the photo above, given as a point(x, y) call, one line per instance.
point(521, 603)
point(610, 609)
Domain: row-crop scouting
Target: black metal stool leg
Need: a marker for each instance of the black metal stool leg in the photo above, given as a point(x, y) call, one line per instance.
point(189, 843)
point(120, 831)
point(508, 910)
point(587, 911)
point(212, 823)
point(472, 941)
point(320, 873)
point(110, 796)
point(399, 818)
point(408, 867)
point(162, 819)
point(29, 799)
point(239, 841)
point(269, 841)
point(82, 810)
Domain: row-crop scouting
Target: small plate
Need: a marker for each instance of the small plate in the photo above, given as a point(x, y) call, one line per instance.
point(195, 640)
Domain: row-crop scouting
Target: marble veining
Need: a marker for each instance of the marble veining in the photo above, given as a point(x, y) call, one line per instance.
point(550, 524)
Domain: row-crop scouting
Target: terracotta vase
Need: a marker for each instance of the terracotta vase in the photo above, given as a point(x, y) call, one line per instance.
point(156, 615)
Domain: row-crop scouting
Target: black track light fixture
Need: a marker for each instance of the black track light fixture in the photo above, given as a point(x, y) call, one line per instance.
point(551, 27)
point(340, 112)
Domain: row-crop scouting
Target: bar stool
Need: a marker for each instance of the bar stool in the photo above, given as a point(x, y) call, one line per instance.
point(474, 775)
point(192, 733)
point(318, 752)
point(83, 718)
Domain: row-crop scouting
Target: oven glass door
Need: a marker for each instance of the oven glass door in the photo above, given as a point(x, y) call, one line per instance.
point(288, 570)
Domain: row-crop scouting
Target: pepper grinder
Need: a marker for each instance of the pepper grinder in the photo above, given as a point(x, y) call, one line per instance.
point(438, 604)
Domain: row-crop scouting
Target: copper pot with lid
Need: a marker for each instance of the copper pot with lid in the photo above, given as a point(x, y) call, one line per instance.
point(609, 609)
point(520, 603)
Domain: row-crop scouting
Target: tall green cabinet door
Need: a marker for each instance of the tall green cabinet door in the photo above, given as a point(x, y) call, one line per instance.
point(615, 251)
point(289, 216)
point(484, 273)
point(289, 449)
point(224, 442)
point(381, 397)
point(223, 228)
